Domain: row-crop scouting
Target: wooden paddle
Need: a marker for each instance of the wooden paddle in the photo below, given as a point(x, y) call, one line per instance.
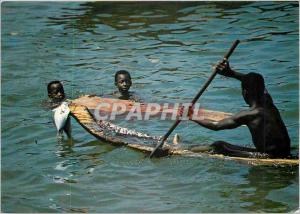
point(212, 76)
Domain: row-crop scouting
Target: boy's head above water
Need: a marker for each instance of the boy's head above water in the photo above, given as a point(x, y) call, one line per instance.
point(123, 81)
point(56, 91)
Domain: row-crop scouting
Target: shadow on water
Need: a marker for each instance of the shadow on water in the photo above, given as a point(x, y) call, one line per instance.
point(69, 147)
point(119, 15)
point(261, 181)
point(65, 149)
point(89, 155)
point(124, 15)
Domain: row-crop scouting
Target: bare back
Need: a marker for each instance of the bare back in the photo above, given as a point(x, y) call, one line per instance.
point(268, 131)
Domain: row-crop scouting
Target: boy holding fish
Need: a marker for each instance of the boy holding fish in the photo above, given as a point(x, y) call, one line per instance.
point(60, 108)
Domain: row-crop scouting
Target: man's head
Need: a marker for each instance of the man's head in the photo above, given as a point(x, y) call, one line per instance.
point(56, 91)
point(253, 87)
point(123, 81)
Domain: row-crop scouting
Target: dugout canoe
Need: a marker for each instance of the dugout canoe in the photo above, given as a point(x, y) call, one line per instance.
point(82, 111)
point(106, 105)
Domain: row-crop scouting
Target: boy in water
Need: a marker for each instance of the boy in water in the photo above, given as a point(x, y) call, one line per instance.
point(57, 96)
point(268, 131)
point(123, 83)
point(56, 92)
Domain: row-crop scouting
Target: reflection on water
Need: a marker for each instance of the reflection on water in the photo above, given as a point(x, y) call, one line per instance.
point(261, 181)
point(168, 47)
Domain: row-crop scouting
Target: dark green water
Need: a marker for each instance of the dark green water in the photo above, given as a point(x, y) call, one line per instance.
point(169, 49)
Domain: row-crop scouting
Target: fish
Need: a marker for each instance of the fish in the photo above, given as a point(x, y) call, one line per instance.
point(176, 139)
point(60, 116)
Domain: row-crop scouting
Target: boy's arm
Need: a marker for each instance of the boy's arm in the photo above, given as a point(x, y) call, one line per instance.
point(224, 69)
point(241, 118)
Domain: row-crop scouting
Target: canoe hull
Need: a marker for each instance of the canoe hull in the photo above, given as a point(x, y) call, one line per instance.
point(104, 106)
point(86, 119)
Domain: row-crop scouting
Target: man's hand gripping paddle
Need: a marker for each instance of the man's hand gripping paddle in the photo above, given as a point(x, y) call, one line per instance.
point(158, 147)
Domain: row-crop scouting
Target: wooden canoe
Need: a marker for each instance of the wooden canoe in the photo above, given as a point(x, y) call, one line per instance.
point(80, 111)
point(92, 103)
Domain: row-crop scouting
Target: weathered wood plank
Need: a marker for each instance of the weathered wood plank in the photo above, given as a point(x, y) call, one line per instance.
point(88, 122)
point(93, 102)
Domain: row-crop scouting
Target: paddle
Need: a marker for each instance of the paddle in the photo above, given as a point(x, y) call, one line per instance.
point(212, 76)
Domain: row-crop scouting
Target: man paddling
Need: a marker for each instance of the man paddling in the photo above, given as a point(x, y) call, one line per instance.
point(268, 131)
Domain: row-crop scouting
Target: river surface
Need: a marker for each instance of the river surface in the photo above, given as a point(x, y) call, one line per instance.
point(169, 49)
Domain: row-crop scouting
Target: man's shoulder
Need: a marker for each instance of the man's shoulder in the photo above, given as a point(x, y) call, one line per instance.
point(250, 113)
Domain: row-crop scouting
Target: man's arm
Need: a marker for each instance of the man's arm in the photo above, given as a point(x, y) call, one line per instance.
point(224, 69)
point(241, 118)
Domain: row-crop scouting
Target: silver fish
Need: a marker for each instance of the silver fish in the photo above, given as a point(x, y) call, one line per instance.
point(60, 116)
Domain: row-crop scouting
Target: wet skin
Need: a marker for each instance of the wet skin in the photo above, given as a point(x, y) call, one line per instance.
point(123, 84)
point(269, 134)
point(57, 95)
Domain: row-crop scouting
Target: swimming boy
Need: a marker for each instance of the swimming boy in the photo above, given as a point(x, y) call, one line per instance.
point(268, 131)
point(56, 94)
point(123, 83)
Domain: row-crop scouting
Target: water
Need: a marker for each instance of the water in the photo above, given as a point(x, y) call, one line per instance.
point(169, 49)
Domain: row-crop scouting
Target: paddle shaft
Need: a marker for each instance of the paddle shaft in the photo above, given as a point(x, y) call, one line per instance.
point(212, 76)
